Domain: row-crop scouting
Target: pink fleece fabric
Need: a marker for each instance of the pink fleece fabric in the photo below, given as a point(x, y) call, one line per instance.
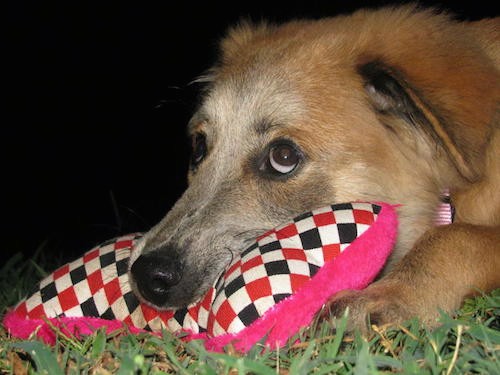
point(24, 328)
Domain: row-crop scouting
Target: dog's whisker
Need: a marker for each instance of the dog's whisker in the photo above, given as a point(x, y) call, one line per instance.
point(248, 237)
point(250, 234)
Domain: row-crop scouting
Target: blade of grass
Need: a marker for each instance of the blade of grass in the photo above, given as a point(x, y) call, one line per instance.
point(341, 326)
point(98, 344)
point(299, 364)
point(364, 362)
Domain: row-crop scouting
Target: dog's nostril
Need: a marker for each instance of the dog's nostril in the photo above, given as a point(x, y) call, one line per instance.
point(155, 273)
point(162, 280)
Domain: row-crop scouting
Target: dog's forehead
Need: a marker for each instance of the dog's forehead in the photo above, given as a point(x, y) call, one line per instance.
point(251, 100)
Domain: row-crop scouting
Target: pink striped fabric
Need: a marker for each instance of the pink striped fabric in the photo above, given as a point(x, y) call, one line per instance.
point(444, 212)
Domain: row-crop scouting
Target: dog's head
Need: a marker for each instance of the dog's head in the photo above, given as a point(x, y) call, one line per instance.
point(312, 113)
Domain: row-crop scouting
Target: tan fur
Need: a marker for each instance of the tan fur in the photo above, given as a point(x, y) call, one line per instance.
point(303, 81)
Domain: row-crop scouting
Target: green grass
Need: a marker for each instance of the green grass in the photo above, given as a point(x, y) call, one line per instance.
point(468, 343)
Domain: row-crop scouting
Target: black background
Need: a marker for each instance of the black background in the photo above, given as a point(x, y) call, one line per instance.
point(96, 99)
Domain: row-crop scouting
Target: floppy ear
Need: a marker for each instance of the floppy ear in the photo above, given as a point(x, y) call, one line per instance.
point(392, 96)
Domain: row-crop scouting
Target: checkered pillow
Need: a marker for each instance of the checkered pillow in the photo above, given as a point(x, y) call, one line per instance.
point(93, 291)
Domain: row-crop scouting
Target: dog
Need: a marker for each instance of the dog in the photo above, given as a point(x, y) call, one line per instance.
point(394, 104)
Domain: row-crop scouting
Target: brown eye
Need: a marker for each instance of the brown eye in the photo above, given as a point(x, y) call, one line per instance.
point(284, 158)
point(199, 145)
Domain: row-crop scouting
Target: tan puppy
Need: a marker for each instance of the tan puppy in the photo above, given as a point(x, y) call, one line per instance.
point(390, 105)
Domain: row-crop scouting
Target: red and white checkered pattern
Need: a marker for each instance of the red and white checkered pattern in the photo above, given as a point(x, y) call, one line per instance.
point(277, 265)
point(96, 285)
point(282, 261)
point(70, 290)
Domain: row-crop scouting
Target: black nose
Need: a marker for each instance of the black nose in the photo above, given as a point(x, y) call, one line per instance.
point(155, 273)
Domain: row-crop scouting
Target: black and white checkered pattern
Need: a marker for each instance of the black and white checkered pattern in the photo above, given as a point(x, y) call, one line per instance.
point(282, 261)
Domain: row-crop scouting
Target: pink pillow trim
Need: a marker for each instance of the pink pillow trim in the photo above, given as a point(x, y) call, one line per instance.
point(24, 328)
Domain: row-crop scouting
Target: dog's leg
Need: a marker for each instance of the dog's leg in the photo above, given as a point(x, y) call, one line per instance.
point(446, 265)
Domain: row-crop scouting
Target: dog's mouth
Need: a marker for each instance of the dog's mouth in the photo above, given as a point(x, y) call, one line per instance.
point(172, 277)
point(166, 281)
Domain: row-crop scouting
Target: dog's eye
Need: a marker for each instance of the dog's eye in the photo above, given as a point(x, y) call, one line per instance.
point(199, 144)
point(284, 158)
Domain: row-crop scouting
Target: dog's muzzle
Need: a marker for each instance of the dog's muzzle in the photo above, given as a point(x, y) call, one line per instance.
point(155, 273)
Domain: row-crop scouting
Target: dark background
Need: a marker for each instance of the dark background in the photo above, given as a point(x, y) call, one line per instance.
point(96, 99)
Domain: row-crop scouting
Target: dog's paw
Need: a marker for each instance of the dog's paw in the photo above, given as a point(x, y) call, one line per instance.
point(376, 305)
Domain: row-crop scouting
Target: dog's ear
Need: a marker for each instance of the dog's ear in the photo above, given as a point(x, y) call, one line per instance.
point(392, 96)
point(389, 93)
